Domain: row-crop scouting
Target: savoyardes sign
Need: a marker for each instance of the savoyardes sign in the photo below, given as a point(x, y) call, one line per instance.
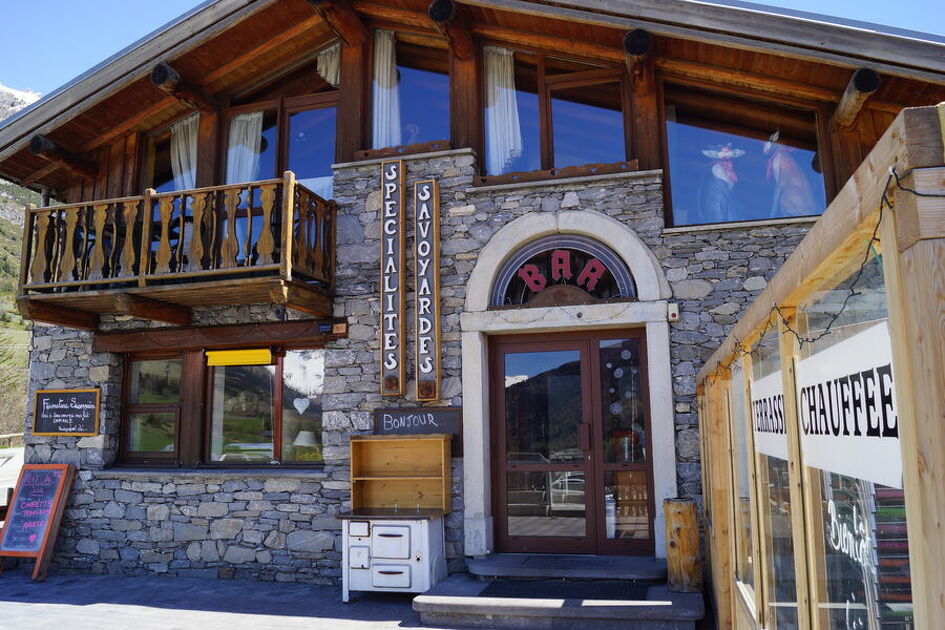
point(847, 409)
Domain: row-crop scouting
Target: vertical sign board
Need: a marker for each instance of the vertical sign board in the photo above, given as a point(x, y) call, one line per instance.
point(427, 251)
point(35, 513)
point(393, 294)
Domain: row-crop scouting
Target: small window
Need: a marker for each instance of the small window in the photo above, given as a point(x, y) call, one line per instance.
point(732, 159)
point(586, 105)
point(411, 93)
point(254, 414)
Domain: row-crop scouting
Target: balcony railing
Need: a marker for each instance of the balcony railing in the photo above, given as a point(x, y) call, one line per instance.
point(159, 255)
point(275, 228)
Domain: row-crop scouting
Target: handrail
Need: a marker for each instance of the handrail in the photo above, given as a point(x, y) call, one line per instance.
point(232, 229)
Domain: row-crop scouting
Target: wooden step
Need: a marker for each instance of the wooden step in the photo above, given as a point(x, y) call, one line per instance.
point(571, 567)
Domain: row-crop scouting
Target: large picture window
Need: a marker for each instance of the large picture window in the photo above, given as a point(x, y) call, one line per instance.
point(731, 159)
point(245, 414)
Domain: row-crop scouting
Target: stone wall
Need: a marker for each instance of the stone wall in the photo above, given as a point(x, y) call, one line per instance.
point(281, 525)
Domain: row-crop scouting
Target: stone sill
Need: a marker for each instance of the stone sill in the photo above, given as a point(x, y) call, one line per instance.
point(406, 158)
point(565, 181)
point(210, 474)
point(741, 225)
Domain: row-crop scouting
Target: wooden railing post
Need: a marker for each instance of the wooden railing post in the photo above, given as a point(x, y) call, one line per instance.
point(288, 222)
point(144, 260)
point(684, 564)
point(26, 247)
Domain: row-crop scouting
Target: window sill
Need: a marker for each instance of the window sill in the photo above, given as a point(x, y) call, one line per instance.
point(562, 180)
point(433, 146)
point(742, 225)
point(128, 472)
point(406, 156)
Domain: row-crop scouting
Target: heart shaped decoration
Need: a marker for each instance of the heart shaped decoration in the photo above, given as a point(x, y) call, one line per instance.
point(301, 404)
point(32, 538)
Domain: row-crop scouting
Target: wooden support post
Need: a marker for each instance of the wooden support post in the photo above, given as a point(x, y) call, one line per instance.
point(448, 20)
point(45, 148)
point(169, 81)
point(683, 560)
point(51, 314)
point(862, 84)
point(636, 45)
point(342, 19)
point(644, 104)
point(146, 308)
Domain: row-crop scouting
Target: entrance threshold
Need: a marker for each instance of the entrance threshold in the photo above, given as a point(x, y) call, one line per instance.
point(568, 566)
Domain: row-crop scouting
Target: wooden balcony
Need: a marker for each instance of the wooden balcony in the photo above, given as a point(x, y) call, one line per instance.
point(158, 255)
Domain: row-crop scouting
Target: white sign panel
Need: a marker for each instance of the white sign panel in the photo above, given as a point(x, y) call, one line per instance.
point(393, 292)
point(767, 416)
point(427, 311)
point(847, 409)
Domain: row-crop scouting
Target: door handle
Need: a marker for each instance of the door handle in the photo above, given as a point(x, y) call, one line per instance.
point(584, 436)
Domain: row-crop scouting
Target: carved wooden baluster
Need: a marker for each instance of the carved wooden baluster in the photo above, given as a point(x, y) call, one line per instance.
point(67, 266)
point(248, 246)
point(41, 254)
point(213, 211)
point(300, 250)
point(130, 213)
point(96, 262)
point(195, 255)
point(162, 257)
point(183, 237)
point(266, 244)
point(111, 227)
point(230, 245)
point(318, 248)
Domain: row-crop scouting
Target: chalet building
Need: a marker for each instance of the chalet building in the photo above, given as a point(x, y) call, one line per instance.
point(273, 224)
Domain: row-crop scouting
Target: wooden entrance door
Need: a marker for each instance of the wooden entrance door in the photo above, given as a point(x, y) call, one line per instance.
point(570, 453)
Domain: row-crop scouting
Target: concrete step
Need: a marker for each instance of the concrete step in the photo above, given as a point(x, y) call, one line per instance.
point(458, 602)
point(571, 567)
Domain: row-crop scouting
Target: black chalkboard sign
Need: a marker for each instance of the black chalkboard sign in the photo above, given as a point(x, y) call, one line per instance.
point(34, 514)
point(421, 420)
point(66, 412)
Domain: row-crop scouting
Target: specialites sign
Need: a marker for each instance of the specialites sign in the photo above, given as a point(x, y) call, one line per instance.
point(393, 289)
point(427, 251)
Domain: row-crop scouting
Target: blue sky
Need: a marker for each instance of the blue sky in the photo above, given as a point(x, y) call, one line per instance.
point(46, 43)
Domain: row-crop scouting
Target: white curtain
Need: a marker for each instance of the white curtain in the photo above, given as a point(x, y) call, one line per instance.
point(386, 95)
point(328, 64)
point(184, 152)
point(503, 131)
point(245, 144)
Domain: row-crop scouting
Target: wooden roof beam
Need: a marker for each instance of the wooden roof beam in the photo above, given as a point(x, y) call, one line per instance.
point(862, 84)
point(637, 45)
point(342, 19)
point(170, 81)
point(146, 308)
point(39, 311)
point(49, 169)
point(45, 148)
point(453, 25)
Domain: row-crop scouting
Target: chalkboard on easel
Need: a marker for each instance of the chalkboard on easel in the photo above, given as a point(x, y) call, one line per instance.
point(34, 514)
point(66, 412)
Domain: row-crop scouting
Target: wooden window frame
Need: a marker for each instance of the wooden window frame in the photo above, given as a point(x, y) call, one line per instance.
point(545, 86)
point(193, 412)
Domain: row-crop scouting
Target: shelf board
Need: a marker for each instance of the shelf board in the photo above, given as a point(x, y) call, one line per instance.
point(394, 477)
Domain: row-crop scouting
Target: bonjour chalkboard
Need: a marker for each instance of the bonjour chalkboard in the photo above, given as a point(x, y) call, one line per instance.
point(421, 420)
point(66, 412)
point(35, 512)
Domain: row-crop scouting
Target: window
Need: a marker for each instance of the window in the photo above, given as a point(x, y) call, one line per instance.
point(411, 93)
point(182, 412)
point(741, 472)
point(731, 159)
point(172, 156)
point(542, 112)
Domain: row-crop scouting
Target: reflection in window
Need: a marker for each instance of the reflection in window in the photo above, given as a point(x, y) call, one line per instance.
point(734, 160)
point(411, 93)
point(155, 382)
point(154, 398)
point(303, 373)
point(587, 123)
point(152, 432)
point(251, 150)
point(241, 426)
point(744, 556)
point(312, 149)
point(622, 405)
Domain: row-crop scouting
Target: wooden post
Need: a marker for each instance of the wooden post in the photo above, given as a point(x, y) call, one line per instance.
point(288, 223)
point(43, 147)
point(169, 81)
point(684, 564)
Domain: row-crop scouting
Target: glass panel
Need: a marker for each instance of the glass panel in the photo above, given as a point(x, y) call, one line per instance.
point(242, 409)
point(744, 561)
point(152, 432)
point(735, 160)
point(252, 158)
point(303, 375)
point(850, 445)
point(542, 406)
point(622, 405)
point(526, 99)
point(155, 382)
point(546, 503)
point(424, 105)
point(767, 405)
point(162, 175)
point(587, 123)
point(312, 148)
point(626, 505)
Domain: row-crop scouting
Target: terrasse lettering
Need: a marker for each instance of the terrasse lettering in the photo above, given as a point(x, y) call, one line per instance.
point(860, 404)
point(768, 414)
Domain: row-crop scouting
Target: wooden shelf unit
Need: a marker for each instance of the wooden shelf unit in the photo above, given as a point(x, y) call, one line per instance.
point(402, 471)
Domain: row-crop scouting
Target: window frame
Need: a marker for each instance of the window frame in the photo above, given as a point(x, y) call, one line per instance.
point(545, 85)
point(193, 414)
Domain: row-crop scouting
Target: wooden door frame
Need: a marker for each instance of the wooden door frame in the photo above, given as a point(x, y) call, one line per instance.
point(590, 376)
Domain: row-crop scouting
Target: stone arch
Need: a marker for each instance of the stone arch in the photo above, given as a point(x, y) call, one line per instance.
point(647, 273)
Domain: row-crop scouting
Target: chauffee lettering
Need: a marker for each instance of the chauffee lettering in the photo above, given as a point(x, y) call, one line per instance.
point(858, 404)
